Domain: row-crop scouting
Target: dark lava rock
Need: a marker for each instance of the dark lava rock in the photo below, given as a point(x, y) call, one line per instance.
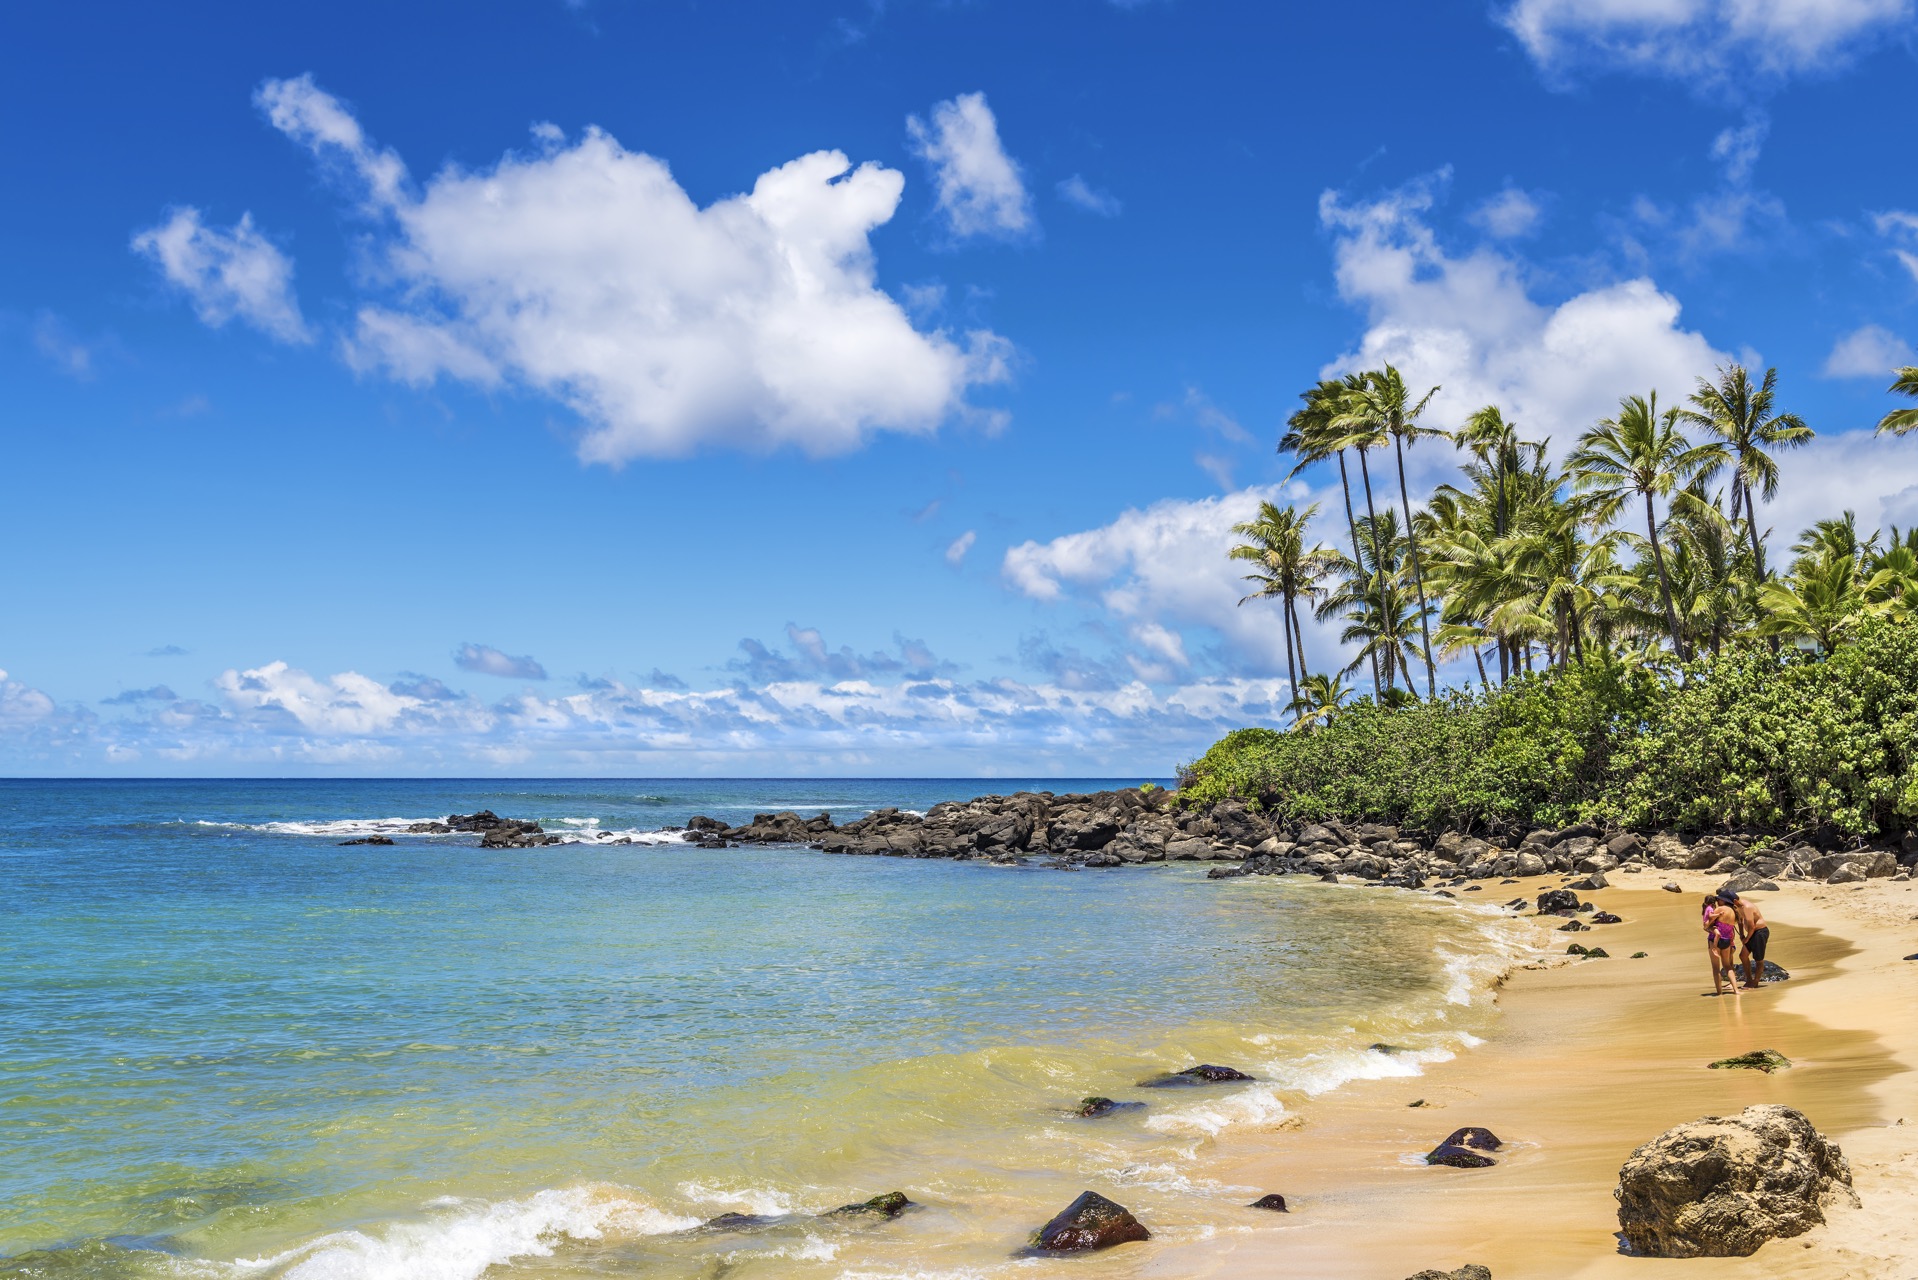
point(1765, 1060)
point(1475, 1137)
point(1598, 953)
point(367, 840)
point(428, 829)
point(1090, 1222)
point(1606, 917)
point(1274, 1201)
point(1576, 949)
point(1470, 1271)
point(1204, 1073)
point(741, 1222)
point(702, 823)
point(484, 820)
point(1573, 926)
point(890, 1205)
point(1640, 955)
point(1458, 1158)
point(1775, 972)
point(1215, 873)
point(1557, 900)
point(1382, 1047)
point(1094, 1107)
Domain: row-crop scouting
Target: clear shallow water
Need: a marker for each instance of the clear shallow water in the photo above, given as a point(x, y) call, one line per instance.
point(230, 1047)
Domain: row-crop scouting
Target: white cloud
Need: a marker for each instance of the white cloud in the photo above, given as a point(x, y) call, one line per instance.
point(956, 552)
point(980, 190)
point(1870, 351)
point(826, 711)
point(57, 345)
point(486, 660)
point(1159, 570)
point(233, 274)
point(587, 274)
point(1901, 228)
point(1720, 44)
point(1509, 214)
point(1469, 323)
point(1076, 191)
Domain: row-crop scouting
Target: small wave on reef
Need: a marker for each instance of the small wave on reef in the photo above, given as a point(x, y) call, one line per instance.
point(330, 827)
point(461, 1240)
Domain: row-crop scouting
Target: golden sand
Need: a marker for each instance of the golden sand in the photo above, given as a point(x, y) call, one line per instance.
point(1590, 1059)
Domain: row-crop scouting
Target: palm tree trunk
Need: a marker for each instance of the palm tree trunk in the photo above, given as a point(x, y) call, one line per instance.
point(1291, 672)
point(1664, 581)
point(1418, 574)
point(1378, 561)
point(1483, 679)
point(1305, 672)
point(1345, 483)
point(1578, 640)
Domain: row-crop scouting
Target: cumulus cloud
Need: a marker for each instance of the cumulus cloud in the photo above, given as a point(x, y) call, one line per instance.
point(807, 657)
point(1870, 351)
point(488, 661)
point(1509, 214)
point(232, 274)
point(956, 550)
point(133, 697)
point(585, 273)
point(1078, 192)
point(979, 188)
point(1468, 322)
point(1157, 570)
point(1717, 44)
point(279, 719)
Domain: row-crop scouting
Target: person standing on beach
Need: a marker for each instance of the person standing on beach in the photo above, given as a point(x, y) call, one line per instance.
point(1753, 932)
point(1720, 925)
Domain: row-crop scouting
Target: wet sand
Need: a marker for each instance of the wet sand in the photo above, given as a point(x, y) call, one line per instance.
point(1590, 1059)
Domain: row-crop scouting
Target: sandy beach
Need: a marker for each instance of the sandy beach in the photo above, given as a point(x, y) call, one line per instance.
point(1590, 1059)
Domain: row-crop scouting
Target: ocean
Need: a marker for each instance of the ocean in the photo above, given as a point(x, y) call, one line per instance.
point(231, 1047)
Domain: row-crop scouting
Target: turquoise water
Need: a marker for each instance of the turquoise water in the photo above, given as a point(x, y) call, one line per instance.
point(231, 1047)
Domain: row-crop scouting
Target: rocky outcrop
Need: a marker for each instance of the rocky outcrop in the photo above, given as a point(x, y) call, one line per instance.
point(367, 840)
point(516, 835)
point(1204, 1073)
point(1088, 1223)
point(887, 1206)
point(1470, 1271)
point(1724, 1185)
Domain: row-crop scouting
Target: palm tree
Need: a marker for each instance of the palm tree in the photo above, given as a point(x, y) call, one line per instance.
point(1714, 573)
point(1384, 409)
point(1318, 700)
point(1821, 601)
point(1312, 438)
point(1741, 416)
point(1283, 569)
point(1640, 452)
point(1371, 600)
point(1900, 421)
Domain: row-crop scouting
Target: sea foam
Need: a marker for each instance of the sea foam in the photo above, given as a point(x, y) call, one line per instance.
point(460, 1240)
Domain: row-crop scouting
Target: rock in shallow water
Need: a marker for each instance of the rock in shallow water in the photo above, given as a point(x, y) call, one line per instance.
point(1766, 1060)
point(1273, 1201)
point(1458, 1158)
point(1094, 1107)
point(890, 1205)
point(1090, 1222)
point(1204, 1073)
point(1474, 1136)
point(1722, 1186)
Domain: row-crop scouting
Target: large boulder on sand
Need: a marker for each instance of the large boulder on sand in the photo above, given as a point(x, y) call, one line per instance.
point(1724, 1185)
point(1090, 1222)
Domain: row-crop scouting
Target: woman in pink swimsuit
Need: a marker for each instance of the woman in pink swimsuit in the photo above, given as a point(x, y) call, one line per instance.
point(1720, 927)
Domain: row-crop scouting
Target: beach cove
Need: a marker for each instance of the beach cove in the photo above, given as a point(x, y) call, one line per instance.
point(544, 1118)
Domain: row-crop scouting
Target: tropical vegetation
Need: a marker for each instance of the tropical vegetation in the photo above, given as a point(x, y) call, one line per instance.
point(1629, 652)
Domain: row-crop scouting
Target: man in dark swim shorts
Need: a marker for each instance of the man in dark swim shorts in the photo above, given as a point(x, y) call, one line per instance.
point(1754, 932)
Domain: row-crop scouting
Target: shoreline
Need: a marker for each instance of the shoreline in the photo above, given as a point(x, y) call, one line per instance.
point(1588, 1060)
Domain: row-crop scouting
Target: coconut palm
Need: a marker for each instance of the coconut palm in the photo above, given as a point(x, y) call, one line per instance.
point(1369, 596)
point(1741, 416)
point(1282, 569)
point(1821, 600)
point(1311, 437)
point(1384, 409)
point(1900, 421)
point(1318, 700)
point(1641, 453)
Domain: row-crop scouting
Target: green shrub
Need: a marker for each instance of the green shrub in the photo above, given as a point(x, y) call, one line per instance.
point(1747, 740)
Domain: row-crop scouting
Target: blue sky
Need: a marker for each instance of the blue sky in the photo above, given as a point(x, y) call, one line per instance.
point(851, 387)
